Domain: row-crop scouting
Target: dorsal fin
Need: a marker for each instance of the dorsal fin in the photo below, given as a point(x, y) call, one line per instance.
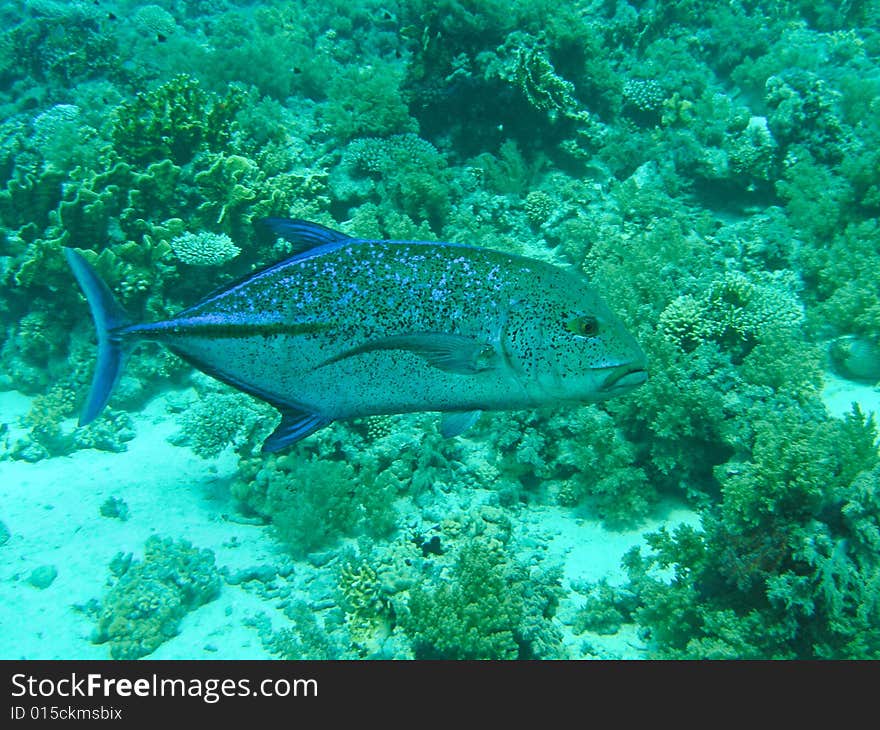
point(304, 235)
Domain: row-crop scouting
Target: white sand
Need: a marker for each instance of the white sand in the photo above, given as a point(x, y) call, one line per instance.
point(51, 509)
point(839, 394)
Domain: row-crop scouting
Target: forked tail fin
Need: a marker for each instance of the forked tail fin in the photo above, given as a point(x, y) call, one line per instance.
point(109, 317)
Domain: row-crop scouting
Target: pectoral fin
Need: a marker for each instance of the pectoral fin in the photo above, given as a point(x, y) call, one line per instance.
point(450, 353)
point(456, 423)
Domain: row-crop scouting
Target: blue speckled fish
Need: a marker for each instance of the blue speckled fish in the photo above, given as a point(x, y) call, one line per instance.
point(349, 327)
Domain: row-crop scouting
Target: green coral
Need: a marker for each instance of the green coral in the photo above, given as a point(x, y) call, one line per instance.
point(366, 101)
point(539, 207)
point(367, 604)
point(404, 170)
point(485, 610)
point(643, 99)
point(306, 638)
point(174, 121)
point(221, 418)
point(227, 184)
point(786, 566)
point(311, 501)
point(601, 613)
point(736, 310)
point(606, 470)
point(146, 603)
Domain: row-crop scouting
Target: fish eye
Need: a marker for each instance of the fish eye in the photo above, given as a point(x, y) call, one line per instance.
point(584, 326)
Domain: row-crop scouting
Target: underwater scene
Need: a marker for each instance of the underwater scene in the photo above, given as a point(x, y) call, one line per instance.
point(450, 329)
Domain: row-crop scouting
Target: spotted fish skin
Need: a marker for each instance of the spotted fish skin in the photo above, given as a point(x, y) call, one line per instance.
point(350, 327)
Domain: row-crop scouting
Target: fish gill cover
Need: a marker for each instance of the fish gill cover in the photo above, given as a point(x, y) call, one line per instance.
point(712, 168)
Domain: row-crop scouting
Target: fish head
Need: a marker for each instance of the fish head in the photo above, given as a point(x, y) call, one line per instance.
point(575, 348)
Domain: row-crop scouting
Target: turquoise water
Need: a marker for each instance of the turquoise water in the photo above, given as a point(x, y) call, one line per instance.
point(713, 169)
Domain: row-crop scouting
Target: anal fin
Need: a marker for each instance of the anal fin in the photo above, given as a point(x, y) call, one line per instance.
point(295, 425)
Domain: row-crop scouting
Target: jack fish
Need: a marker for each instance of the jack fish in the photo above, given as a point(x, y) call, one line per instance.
point(350, 327)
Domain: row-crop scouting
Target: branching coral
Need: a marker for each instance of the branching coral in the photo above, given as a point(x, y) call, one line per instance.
point(736, 310)
point(605, 470)
point(204, 248)
point(312, 502)
point(404, 169)
point(220, 419)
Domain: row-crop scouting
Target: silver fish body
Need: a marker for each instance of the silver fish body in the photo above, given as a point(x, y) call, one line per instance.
point(350, 327)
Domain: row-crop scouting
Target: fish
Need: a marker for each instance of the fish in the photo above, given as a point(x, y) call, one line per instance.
point(349, 327)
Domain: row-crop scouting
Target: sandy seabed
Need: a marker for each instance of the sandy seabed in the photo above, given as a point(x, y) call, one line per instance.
point(52, 512)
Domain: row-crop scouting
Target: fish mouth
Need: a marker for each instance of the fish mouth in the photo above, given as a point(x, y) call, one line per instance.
point(624, 377)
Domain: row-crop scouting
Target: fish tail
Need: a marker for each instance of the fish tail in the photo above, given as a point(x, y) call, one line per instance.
point(110, 318)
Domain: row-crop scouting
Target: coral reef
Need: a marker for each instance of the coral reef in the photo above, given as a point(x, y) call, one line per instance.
point(148, 598)
point(713, 168)
point(785, 565)
point(311, 502)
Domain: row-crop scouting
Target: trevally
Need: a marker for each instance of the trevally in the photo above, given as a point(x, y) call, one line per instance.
point(350, 327)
